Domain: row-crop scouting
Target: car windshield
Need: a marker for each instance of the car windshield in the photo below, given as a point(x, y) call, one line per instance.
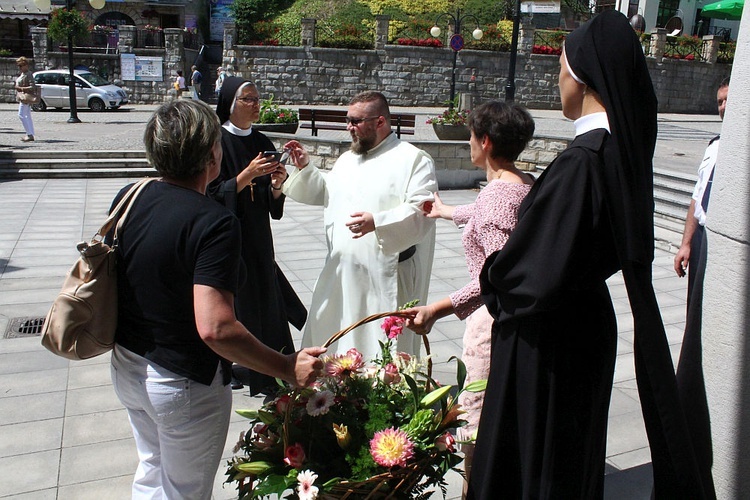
point(95, 80)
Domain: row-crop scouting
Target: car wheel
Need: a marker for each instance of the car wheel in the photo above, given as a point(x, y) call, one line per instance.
point(96, 104)
point(40, 106)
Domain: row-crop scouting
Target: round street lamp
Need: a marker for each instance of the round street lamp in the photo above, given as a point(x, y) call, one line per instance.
point(45, 5)
point(456, 42)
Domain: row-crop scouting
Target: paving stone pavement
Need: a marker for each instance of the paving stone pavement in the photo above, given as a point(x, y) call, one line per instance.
point(64, 434)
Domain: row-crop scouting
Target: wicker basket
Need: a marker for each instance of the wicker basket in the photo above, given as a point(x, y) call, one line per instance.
point(396, 484)
point(373, 317)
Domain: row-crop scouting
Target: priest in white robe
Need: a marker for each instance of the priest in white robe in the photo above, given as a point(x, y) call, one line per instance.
point(380, 243)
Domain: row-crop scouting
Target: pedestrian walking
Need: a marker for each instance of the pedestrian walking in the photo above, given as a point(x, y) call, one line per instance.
point(26, 95)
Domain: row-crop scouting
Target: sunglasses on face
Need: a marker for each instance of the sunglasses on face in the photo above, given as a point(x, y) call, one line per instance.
point(357, 121)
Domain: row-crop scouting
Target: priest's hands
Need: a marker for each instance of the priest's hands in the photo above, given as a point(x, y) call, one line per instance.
point(298, 154)
point(361, 224)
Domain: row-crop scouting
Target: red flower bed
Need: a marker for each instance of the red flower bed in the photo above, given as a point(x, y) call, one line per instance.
point(424, 42)
point(546, 49)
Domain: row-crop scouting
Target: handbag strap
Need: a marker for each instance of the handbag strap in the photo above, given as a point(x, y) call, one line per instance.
point(121, 211)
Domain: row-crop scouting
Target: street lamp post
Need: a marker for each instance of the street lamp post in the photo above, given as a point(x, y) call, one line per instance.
point(456, 42)
point(510, 88)
point(72, 82)
point(45, 5)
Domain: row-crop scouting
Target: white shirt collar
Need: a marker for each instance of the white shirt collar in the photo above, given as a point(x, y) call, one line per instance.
point(234, 130)
point(591, 122)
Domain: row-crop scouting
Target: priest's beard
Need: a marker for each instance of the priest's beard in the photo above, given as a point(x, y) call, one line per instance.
point(361, 145)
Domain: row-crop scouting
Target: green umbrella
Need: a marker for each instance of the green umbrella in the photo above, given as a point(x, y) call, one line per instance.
point(724, 9)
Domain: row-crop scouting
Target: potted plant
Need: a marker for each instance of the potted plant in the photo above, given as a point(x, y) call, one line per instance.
point(274, 118)
point(383, 429)
point(451, 124)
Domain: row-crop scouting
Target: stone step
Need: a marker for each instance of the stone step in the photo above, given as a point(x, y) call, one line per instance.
point(29, 154)
point(74, 164)
point(74, 173)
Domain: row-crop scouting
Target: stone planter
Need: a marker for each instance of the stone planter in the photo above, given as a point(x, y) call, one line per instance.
point(451, 132)
point(284, 128)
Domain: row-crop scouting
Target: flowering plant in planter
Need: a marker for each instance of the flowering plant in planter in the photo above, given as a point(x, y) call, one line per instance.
point(270, 112)
point(383, 425)
point(101, 28)
point(451, 116)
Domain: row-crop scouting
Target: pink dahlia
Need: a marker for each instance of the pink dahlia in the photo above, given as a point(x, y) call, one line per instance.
point(343, 365)
point(391, 447)
point(393, 326)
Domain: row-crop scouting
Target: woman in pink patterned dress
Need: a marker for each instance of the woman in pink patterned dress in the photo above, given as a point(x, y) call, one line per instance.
point(499, 133)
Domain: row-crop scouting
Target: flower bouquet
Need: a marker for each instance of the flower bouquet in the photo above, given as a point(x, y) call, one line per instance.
point(364, 430)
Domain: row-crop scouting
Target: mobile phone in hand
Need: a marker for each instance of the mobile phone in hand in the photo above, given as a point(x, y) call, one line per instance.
point(279, 156)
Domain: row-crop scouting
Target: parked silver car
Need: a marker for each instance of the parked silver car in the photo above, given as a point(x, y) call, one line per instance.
point(92, 91)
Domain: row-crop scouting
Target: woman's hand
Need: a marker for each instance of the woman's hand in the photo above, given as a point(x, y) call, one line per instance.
point(298, 154)
point(438, 210)
point(306, 366)
point(260, 165)
point(278, 176)
point(422, 319)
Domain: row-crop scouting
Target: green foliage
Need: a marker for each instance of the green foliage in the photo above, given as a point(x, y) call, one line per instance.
point(248, 12)
point(5, 52)
point(64, 23)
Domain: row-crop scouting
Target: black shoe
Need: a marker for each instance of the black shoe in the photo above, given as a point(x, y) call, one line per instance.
point(236, 384)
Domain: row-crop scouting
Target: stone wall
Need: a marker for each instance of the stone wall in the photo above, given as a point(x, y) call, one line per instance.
point(421, 76)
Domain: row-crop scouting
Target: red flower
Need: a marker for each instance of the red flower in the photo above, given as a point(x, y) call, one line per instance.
point(294, 455)
point(393, 326)
point(282, 403)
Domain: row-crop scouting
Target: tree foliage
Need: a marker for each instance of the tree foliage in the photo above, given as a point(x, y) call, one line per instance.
point(248, 12)
point(64, 23)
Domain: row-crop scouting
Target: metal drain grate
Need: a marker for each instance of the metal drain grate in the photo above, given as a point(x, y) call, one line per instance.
point(24, 327)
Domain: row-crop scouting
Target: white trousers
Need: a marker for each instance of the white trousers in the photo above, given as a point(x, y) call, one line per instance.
point(180, 427)
point(24, 113)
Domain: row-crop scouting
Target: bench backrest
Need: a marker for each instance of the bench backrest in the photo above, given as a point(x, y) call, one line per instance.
point(317, 115)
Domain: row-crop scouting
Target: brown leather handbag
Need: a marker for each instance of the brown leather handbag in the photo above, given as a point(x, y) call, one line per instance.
point(82, 321)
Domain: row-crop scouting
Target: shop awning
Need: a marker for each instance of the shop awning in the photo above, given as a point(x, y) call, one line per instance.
point(22, 9)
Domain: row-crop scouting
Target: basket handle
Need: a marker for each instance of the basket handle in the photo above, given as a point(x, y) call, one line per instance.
point(373, 317)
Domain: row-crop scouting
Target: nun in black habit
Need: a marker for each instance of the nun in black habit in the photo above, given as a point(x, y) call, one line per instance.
point(543, 428)
point(250, 186)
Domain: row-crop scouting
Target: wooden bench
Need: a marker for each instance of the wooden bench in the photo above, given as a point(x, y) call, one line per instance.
point(335, 119)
